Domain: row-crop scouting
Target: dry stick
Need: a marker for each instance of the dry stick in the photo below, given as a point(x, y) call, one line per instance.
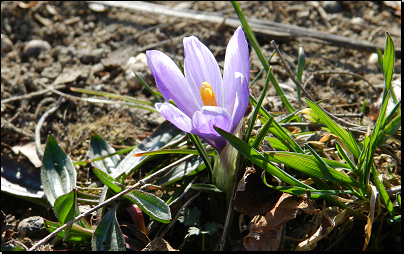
point(298, 84)
point(34, 94)
point(41, 103)
point(18, 130)
point(112, 199)
point(39, 125)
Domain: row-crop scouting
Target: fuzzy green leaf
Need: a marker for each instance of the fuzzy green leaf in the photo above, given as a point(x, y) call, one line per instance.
point(108, 235)
point(106, 179)
point(78, 234)
point(151, 205)
point(58, 174)
point(98, 148)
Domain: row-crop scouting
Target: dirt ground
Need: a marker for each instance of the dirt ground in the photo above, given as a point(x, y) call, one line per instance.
point(68, 44)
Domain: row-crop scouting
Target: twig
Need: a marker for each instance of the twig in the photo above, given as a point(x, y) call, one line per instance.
point(33, 94)
point(39, 125)
point(282, 62)
point(112, 199)
point(41, 103)
point(18, 130)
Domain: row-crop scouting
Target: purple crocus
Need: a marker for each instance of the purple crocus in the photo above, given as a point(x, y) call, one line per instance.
point(203, 97)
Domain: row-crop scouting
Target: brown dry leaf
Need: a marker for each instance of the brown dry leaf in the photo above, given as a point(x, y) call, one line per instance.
point(29, 150)
point(323, 230)
point(252, 196)
point(158, 244)
point(265, 234)
point(369, 224)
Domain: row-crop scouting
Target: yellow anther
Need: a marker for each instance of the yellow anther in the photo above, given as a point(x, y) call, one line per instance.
point(207, 94)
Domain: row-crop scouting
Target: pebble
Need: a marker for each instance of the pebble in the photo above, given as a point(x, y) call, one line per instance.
point(136, 65)
point(358, 21)
point(332, 6)
point(373, 59)
point(34, 48)
point(32, 227)
point(6, 44)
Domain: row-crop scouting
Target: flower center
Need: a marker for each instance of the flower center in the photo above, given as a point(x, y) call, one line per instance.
point(207, 94)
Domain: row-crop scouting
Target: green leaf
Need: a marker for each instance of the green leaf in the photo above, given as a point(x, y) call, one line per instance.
point(263, 132)
point(390, 130)
point(112, 95)
point(263, 111)
point(253, 118)
point(164, 136)
point(209, 188)
point(299, 191)
point(185, 169)
point(254, 43)
point(211, 228)
point(151, 205)
point(98, 148)
point(384, 196)
point(380, 59)
point(285, 136)
point(258, 159)
point(174, 151)
point(192, 217)
point(202, 152)
point(300, 67)
point(78, 234)
point(66, 209)
point(345, 157)
point(388, 64)
point(156, 95)
point(58, 174)
point(309, 165)
point(277, 144)
point(106, 179)
point(335, 128)
point(108, 235)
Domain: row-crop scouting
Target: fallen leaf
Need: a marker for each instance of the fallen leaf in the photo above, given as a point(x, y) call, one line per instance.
point(29, 150)
point(253, 197)
point(266, 232)
point(158, 244)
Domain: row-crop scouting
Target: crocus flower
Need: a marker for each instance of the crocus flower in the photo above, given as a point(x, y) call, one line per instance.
point(203, 97)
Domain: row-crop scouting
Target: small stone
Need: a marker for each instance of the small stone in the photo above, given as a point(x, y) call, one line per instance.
point(332, 6)
point(34, 48)
point(373, 59)
point(6, 44)
point(358, 21)
point(32, 227)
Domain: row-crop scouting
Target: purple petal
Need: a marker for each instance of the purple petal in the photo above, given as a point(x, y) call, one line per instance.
point(241, 101)
point(171, 82)
point(204, 120)
point(236, 60)
point(175, 116)
point(200, 66)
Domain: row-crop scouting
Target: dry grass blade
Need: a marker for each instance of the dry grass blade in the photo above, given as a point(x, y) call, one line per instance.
point(311, 243)
point(368, 227)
